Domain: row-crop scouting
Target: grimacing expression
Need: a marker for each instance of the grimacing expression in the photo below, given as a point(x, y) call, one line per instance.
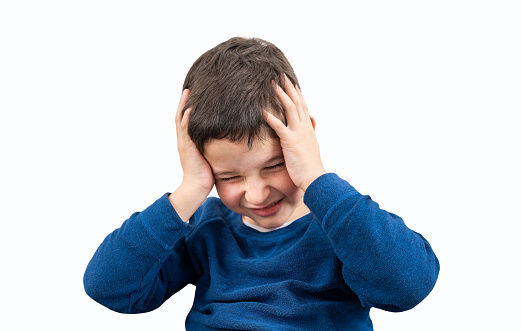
point(254, 182)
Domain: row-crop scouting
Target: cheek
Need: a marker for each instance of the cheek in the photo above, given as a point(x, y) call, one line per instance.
point(230, 194)
point(283, 183)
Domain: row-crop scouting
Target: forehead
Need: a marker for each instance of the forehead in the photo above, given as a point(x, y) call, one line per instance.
point(223, 154)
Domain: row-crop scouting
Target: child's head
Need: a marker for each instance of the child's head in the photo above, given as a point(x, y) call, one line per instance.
point(230, 87)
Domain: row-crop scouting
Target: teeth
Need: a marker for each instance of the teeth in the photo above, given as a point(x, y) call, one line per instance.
point(273, 204)
point(268, 206)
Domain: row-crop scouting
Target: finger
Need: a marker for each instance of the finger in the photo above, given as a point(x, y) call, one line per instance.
point(186, 118)
point(182, 103)
point(275, 123)
point(292, 92)
point(303, 103)
point(289, 107)
point(182, 126)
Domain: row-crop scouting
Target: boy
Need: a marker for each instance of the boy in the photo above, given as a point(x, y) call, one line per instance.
point(288, 245)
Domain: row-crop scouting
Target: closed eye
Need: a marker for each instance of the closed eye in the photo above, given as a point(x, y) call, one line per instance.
point(280, 165)
point(277, 166)
point(228, 178)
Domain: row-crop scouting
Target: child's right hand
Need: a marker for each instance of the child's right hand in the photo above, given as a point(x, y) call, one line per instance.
point(198, 178)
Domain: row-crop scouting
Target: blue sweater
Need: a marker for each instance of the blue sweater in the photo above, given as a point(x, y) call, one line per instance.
point(322, 272)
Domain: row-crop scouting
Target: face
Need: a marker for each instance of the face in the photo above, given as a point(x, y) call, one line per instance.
point(254, 182)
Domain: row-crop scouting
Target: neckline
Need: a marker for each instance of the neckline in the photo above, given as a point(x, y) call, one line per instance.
point(244, 229)
point(263, 229)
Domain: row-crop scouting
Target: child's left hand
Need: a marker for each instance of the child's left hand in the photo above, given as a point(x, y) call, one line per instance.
point(297, 139)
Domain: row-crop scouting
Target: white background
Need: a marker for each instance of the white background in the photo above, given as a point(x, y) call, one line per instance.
point(415, 102)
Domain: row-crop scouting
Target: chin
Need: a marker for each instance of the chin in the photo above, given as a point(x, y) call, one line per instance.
point(270, 222)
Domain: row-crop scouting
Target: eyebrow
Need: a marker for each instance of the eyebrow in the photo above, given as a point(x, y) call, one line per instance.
point(223, 174)
point(228, 173)
point(281, 156)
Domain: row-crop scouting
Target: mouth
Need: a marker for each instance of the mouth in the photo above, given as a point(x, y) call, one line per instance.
point(269, 210)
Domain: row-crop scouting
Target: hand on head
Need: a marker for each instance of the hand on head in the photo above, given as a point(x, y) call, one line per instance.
point(196, 169)
point(297, 139)
point(198, 179)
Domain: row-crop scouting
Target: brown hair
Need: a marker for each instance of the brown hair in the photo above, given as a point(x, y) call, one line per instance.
point(230, 87)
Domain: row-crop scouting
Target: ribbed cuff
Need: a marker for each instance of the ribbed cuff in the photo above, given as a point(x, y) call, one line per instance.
point(326, 192)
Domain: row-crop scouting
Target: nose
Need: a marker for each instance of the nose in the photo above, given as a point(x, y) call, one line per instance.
point(257, 191)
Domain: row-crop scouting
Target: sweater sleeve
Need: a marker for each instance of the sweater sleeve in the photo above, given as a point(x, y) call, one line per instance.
point(143, 263)
point(385, 263)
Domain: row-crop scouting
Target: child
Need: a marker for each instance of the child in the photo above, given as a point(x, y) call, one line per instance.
point(288, 245)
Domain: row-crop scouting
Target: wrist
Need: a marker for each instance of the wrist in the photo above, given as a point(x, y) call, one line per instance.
point(311, 178)
point(195, 188)
point(187, 198)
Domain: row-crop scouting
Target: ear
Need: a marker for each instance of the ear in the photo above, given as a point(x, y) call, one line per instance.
point(313, 121)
